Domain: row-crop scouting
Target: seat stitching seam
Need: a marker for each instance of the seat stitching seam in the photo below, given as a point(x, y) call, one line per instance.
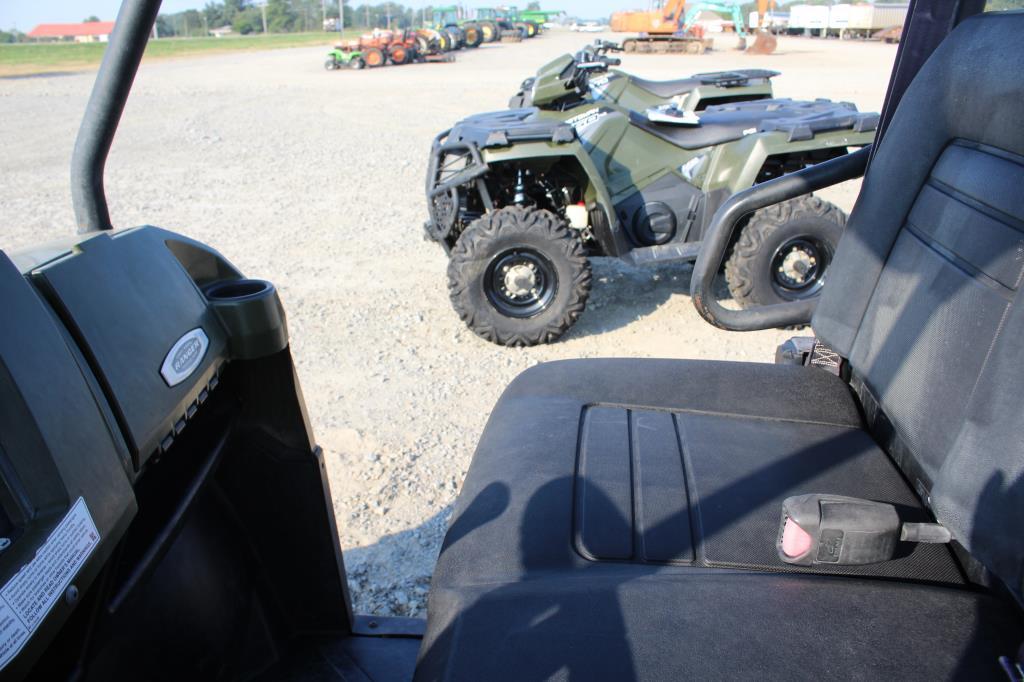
point(716, 413)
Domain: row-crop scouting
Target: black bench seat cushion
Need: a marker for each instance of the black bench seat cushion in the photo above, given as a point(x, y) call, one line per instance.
point(624, 513)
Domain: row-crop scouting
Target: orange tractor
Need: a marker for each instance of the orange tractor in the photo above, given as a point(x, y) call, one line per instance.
point(397, 47)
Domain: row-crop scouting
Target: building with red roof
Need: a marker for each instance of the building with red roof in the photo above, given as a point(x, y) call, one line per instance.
point(87, 32)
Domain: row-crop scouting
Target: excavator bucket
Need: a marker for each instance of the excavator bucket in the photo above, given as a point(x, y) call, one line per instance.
point(764, 43)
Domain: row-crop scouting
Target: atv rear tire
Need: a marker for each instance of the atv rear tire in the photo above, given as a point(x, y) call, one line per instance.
point(519, 277)
point(374, 57)
point(784, 252)
point(357, 63)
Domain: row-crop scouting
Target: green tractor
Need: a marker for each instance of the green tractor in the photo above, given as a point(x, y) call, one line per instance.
point(696, 93)
point(465, 33)
point(521, 199)
point(343, 58)
point(508, 22)
point(540, 16)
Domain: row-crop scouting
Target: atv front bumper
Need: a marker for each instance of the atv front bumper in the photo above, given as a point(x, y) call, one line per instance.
point(444, 180)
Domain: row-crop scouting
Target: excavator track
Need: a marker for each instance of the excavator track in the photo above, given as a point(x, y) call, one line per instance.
point(667, 44)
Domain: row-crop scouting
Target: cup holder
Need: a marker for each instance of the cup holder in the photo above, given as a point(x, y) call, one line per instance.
point(238, 289)
point(252, 316)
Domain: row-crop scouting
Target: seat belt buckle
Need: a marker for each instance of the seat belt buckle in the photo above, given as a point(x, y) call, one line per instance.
point(846, 531)
point(808, 351)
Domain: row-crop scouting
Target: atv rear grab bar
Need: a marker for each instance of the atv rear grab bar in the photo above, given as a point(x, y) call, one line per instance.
point(723, 225)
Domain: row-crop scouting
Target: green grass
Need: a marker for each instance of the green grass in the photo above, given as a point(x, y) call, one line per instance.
point(24, 59)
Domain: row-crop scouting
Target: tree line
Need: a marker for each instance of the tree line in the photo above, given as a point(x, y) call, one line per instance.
point(279, 16)
point(287, 16)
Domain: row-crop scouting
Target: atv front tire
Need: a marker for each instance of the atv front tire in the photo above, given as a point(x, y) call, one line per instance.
point(330, 64)
point(519, 277)
point(784, 252)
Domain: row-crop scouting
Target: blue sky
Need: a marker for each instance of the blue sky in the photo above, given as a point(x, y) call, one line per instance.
point(25, 14)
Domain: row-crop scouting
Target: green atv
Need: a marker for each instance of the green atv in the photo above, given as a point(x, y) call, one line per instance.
point(339, 58)
point(547, 89)
point(521, 199)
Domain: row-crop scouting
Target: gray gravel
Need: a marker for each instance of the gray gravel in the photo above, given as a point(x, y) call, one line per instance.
point(314, 181)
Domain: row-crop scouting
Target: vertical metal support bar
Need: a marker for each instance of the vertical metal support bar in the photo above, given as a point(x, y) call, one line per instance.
point(110, 92)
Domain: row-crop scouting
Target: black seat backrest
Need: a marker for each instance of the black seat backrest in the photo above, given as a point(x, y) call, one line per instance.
point(924, 296)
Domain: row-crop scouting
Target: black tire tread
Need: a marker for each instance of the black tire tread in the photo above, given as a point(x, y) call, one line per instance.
point(738, 274)
point(472, 246)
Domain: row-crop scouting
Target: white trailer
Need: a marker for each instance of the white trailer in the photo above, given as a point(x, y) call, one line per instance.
point(866, 20)
point(808, 19)
point(838, 18)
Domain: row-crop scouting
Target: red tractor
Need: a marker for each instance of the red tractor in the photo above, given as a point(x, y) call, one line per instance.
point(381, 46)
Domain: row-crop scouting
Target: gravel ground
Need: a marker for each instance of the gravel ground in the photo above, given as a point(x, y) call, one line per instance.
point(314, 180)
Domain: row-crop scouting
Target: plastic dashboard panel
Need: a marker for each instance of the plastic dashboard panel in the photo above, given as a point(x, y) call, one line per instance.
point(127, 300)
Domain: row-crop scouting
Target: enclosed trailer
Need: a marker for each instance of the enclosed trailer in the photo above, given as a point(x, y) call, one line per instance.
point(865, 20)
point(808, 19)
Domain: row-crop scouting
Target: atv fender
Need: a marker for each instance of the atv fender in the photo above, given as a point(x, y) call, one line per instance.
point(607, 232)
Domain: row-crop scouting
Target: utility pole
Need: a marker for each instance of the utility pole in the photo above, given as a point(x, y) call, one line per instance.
point(323, 14)
point(367, 7)
point(341, 19)
point(388, 10)
point(263, 7)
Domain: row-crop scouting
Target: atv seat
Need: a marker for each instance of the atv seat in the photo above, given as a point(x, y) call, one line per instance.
point(666, 89)
point(727, 122)
point(619, 518)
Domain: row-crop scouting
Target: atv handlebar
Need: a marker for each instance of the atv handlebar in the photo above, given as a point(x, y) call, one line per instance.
point(607, 46)
point(719, 235)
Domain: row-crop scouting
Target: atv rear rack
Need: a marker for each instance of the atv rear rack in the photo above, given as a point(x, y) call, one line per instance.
point(735, 79)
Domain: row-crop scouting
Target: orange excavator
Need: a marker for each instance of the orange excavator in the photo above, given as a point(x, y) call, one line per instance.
point(670, 26)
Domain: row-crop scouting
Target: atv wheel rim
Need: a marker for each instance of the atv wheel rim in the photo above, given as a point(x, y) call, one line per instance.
point(798, 267)
point(520, 283)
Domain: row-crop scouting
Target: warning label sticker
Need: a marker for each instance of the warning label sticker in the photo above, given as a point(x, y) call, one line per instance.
point(31, 593)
